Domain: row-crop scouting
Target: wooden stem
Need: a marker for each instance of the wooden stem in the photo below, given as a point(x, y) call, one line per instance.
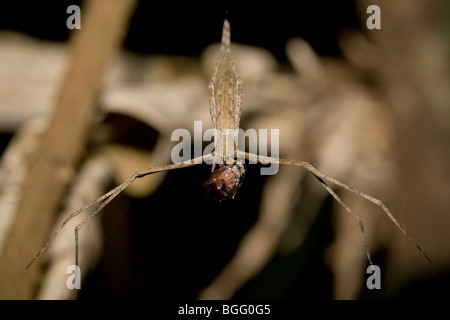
point(103, 26)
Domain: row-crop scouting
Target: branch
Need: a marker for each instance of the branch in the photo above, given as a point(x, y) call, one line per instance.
point(103, 28)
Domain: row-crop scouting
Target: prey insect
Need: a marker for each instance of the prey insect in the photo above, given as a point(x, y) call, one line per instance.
point(225, 100)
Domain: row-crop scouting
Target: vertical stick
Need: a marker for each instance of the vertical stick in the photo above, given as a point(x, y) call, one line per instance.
point(103, 27)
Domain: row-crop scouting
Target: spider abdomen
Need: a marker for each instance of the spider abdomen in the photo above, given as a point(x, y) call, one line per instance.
point(224, 182)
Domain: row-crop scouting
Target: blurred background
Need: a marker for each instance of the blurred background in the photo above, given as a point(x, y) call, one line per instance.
point(368, 107)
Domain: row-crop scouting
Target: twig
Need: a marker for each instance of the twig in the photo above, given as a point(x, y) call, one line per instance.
point(103, 28)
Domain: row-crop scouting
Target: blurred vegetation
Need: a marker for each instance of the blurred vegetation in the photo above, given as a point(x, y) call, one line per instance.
point(369, 107)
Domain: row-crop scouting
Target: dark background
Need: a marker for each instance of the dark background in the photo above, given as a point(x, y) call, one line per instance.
point(183, 28)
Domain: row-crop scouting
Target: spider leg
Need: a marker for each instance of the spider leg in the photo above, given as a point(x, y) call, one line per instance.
point(108, 197)
point(72, 215)
point(379, 203)
point(322, 177)
point(350, 211)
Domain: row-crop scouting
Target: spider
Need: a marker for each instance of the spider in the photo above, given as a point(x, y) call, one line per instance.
point(225, 99)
